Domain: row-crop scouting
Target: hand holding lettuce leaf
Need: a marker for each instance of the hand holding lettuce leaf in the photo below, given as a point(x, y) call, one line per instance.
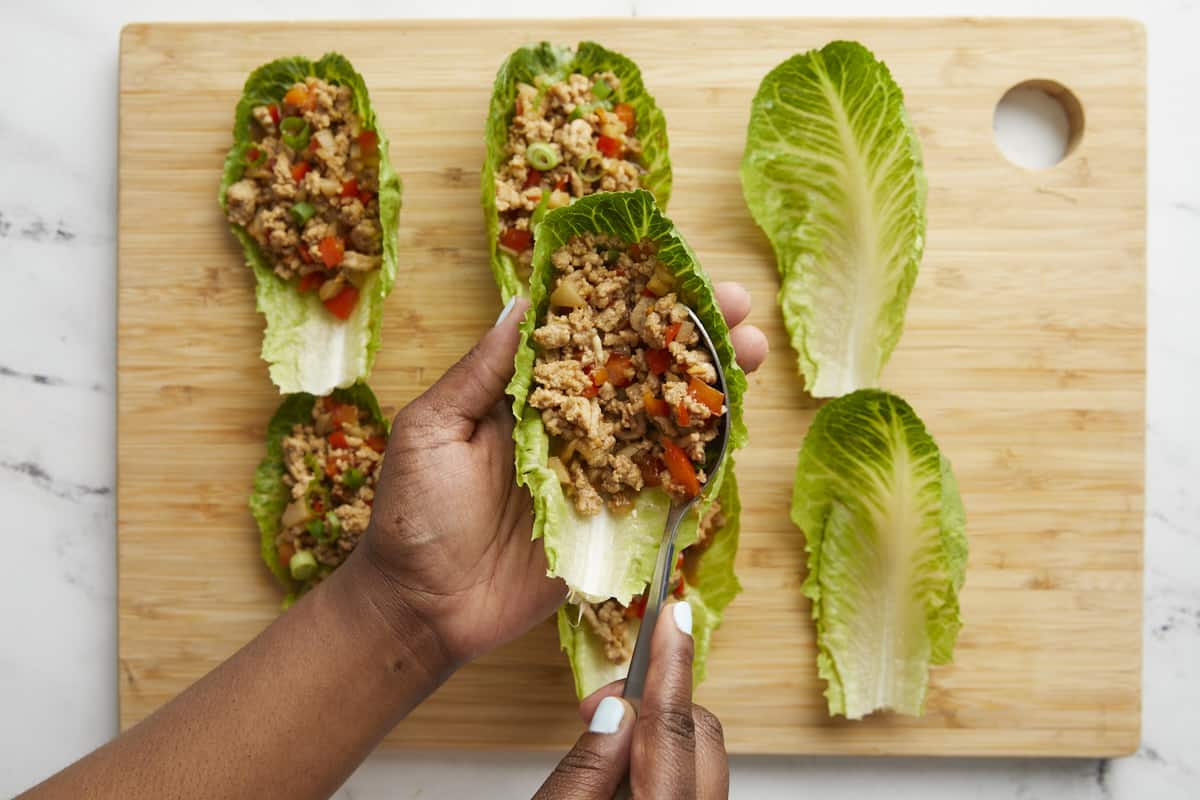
point(311, 196)
point(832, 173)
point(885, 531)
point(562, 124)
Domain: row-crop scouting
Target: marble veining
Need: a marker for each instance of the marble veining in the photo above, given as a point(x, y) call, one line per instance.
point(58, 665)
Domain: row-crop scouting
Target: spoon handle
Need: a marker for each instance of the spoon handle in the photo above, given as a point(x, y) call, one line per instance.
point(635, 681)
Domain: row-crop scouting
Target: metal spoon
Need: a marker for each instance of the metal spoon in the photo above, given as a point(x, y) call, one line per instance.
point(635, 682)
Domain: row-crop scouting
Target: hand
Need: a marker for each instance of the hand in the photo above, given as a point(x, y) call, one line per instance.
point(673, 748)
point(450, 532)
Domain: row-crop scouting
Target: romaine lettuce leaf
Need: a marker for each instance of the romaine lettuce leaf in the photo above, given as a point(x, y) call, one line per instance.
point(885, 532)
point(832, 173)
point(270, 494)
point(714, 587)
point(307, 348)
point(523, 66)
point(606, 556)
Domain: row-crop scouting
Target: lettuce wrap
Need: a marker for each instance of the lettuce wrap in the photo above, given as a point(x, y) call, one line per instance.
point(543, 61)
point(271, 496)
point(308, 349)
point(609, 555)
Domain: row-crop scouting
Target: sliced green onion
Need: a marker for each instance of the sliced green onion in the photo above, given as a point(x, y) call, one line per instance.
point(601, 89)
point(542, 156)
point(302, 213)
point(581, 111)
point(612, 256)
point(316, 528)
point(592, 167)
point(302, 565)
point(353, 478)
point(255, 156)
point(294, 132)
point(333, 525)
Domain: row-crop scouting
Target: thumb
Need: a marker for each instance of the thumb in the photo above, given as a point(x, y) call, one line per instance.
point(594, 767)
point(470, 388)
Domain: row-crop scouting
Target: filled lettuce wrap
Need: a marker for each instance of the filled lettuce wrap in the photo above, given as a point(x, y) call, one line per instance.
point(615, 396)
point(564, 123)
point(314, 490)
point(311, 195)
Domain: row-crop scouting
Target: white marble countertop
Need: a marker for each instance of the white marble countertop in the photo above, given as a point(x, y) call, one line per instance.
point(57, 366)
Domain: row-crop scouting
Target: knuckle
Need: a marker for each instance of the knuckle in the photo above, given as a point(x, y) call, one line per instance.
point(708, 728)
point(675, 725)
point(583, 760)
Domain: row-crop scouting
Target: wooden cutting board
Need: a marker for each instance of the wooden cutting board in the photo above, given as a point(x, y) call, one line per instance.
point(1023, 351)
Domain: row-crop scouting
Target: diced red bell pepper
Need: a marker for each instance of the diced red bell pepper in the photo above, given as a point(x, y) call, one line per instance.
point(516, 240)
point(344, 414)
point(253, 155)
point(682, 415)
point(609, 146)
point(678, 590)
point(532, 178)
point(341, 305)
point(680, 467)
point(313, 146)
point(299, 170)
point(672, 332)
point(368, 141)
point(305, 256)
point(273, 109)
point(286, 551)
point(706, 394)
point(591, 391)
point(562, 182)
point(327, 403)
point(297, 97)
point(659, 361)
point(333, 467)
point(377, 443)
point(650, 294)
point(365, 197)
point(628, 115)
point(338, 439)
point(636, 608)
point(312, 281)
point(655, 406)
point(350, 188)
point(620, 369)
point(333, 250)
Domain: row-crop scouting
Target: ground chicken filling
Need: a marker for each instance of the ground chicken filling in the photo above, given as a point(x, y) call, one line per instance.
point(309, 193)
point(610, 620)
point(622, 379)
point(332, 465)
point(566, 139)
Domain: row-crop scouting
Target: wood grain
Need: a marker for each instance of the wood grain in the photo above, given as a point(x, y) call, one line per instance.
point(1023, 351)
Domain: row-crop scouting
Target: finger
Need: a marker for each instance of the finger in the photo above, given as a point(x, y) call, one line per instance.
point(734, 301)
point(588, 706)
point(712, 763)
point(476, 383)
point(751, 346)
point(594, 767)
point(664, 745)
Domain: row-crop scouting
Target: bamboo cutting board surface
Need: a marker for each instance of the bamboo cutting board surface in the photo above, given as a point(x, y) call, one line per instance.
point(1023, 352)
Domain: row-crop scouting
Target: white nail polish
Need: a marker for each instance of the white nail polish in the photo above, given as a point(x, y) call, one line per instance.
point(607, 718)
point(504, 312)
point(682, 613)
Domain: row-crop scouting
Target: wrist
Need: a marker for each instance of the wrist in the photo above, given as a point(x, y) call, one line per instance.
point(393, 623)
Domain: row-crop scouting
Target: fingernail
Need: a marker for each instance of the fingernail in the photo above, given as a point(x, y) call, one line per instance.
point(607, 718)
point(682, 613)
point(507, 308)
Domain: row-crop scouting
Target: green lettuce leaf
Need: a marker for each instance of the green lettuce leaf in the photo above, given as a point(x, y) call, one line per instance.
point(714, 588)
point(832, 173)
point(270, 495)
point(307, 348)
point(523, 66)
point(885, 531)
point(605, 555)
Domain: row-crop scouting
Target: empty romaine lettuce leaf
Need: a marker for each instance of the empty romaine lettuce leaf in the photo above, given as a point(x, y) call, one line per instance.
point(885, 532)
point(308, 349)
point(605, 555)
point(270, 494)
point(832, 173)
point(544, 59)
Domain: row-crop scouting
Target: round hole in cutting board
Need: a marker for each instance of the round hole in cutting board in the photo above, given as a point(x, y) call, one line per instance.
point(1037, 123)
